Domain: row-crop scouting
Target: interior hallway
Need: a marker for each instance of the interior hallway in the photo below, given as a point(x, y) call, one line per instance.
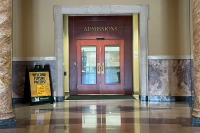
point(103, 116)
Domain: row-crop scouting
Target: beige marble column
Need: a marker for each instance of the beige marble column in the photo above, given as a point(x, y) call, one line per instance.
point(6, 111)
point(196, 55)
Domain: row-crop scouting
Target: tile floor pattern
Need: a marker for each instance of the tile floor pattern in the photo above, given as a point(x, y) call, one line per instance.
point(103, 116)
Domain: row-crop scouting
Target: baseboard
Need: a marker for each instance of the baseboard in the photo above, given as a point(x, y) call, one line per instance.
point(141, 97)
point(195, 121)
point(59, 99)
point(166, 98)
point(20, 100)
point(170, 98)
point(8, 123)
point(17, 100)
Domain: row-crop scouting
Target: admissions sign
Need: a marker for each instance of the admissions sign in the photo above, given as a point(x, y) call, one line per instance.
point(40, 86)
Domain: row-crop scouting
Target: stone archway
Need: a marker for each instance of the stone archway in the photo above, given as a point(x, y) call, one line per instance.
point(142, 10)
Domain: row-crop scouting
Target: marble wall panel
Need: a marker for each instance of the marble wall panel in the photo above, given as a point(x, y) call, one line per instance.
point(165, 77)
point(171, 77)
point(18, 75)
point(158, 80)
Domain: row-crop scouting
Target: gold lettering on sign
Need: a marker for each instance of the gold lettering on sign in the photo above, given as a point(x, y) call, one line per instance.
point(106, 28)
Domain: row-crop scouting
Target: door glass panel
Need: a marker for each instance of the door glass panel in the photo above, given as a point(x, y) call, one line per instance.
point(112, 64)
point(88, 64)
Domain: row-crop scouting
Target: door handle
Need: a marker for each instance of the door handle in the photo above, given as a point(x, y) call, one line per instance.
point(102, 68)
point(98, 68)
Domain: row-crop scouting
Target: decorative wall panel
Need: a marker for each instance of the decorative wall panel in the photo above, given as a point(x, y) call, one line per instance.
point(171, 77)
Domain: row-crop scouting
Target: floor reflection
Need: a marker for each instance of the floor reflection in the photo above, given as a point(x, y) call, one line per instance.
point(96, 118)
point(103, 116)
point(40, 122)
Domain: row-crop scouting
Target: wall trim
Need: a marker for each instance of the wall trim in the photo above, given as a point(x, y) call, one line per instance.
point(168, 57)
point(33, 58)
point(152, 57)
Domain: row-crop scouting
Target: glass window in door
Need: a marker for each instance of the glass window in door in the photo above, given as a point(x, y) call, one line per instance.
point(112, 64)
point(88, 73)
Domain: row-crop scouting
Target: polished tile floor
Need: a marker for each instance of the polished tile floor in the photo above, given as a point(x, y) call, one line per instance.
point(103, 116)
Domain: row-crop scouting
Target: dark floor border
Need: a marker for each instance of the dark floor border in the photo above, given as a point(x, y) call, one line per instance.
point(170, 98)
point(59, 99)
point(17, 100)
point(195, 121)
point(8, 123)
point(166, 98)
point(141, 97)
point(20, 100)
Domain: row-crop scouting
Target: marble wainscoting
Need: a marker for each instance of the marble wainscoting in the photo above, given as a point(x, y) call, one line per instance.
point(170, 79)
point(18, 76)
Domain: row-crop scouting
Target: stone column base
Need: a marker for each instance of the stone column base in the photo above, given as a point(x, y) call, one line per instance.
point(8, 123)
point(196, 112)
point(195, 121)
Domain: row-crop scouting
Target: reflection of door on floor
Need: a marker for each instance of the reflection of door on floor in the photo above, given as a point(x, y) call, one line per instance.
point(100, 66)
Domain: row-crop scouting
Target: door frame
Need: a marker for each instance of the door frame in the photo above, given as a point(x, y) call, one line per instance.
point(60, 11)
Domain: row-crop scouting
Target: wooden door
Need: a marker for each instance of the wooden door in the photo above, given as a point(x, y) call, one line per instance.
point(100, 66)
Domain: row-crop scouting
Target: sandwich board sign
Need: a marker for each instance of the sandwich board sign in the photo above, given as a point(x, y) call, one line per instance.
point(38, 85)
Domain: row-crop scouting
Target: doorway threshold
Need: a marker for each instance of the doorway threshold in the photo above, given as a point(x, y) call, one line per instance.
point(100, 97)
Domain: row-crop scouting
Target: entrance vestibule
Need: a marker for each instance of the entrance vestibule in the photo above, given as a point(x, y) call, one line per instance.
point(98, 10)
point(100, 53)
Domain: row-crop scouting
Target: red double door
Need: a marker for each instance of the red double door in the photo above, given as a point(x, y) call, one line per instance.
point(100, 66)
